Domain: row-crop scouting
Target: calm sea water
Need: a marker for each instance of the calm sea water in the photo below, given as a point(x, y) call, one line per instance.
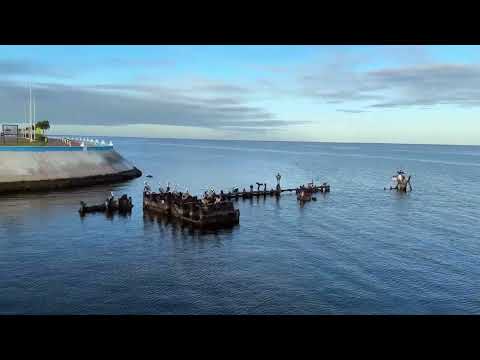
point(356, 250)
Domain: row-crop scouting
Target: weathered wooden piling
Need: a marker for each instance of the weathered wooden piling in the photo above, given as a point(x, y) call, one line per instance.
point(272, 192)
point(190, 209)
point(324, 188)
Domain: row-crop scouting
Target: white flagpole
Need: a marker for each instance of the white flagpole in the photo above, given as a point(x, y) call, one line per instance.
point(25, 123)
point(26, 119)
point(30, 127)
point(34, 117)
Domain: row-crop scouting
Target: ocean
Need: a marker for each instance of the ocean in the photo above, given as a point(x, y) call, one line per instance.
point(357, 250)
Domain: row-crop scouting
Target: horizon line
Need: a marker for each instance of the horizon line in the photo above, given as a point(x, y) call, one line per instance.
point(281, 141)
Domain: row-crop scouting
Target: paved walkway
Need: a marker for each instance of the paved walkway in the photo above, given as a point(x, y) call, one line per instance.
point(8, 141)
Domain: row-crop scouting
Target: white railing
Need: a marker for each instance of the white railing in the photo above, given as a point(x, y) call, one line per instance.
point(85, 142)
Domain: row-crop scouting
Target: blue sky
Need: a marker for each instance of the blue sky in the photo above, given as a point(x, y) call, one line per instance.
point(406, 94)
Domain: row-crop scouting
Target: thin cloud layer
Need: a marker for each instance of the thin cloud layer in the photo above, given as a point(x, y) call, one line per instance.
point(349, 83)
point(351, 111)
point(430, 85)
point(9, 68)
point(425, 85)
point(121, 105)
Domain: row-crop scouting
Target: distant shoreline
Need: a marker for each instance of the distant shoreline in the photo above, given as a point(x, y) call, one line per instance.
point(270, 141)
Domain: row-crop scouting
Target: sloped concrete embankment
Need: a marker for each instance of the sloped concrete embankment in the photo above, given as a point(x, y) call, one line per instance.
point(24, 169)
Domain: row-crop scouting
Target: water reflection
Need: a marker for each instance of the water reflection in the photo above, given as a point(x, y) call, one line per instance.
point(46, 205)
point(399, 195)
point(41, 203)
point(278, 256)
point(179, 228)
point(107, 215)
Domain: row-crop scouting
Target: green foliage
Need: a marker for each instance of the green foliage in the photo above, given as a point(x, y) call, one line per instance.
point(44, 125)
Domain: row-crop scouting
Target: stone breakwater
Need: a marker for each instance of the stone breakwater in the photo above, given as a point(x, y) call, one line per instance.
point(30, 168)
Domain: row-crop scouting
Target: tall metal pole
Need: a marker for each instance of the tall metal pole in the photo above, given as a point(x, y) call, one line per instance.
point(34, 118)
point(25, 123)
point(30, 127)
point(27, 134)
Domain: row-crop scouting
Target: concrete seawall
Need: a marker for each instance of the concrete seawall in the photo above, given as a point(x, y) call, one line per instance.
point(31, 168)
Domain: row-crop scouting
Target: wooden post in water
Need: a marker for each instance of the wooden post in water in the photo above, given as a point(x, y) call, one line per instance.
point(279, 189)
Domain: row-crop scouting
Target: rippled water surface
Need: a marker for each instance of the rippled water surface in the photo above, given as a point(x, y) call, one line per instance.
point(358, 249)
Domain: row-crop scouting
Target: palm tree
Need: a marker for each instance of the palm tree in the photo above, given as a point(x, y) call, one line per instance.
point(44, 125)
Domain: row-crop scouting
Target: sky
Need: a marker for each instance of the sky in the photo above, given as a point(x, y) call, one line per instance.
point(388, 94)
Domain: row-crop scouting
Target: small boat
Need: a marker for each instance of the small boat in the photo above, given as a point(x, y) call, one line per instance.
point(111, 203)
point(84, 209)
point(123, 205)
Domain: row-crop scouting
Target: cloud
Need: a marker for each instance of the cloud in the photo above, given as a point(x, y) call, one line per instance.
point(213, 93)
point(223, 88)
point(454, 84)
point(420, 85)
point(355, 83)
point(10, 68)
point(124, 104)
point(352, 111)
point(265, 124)
point(129, 62)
